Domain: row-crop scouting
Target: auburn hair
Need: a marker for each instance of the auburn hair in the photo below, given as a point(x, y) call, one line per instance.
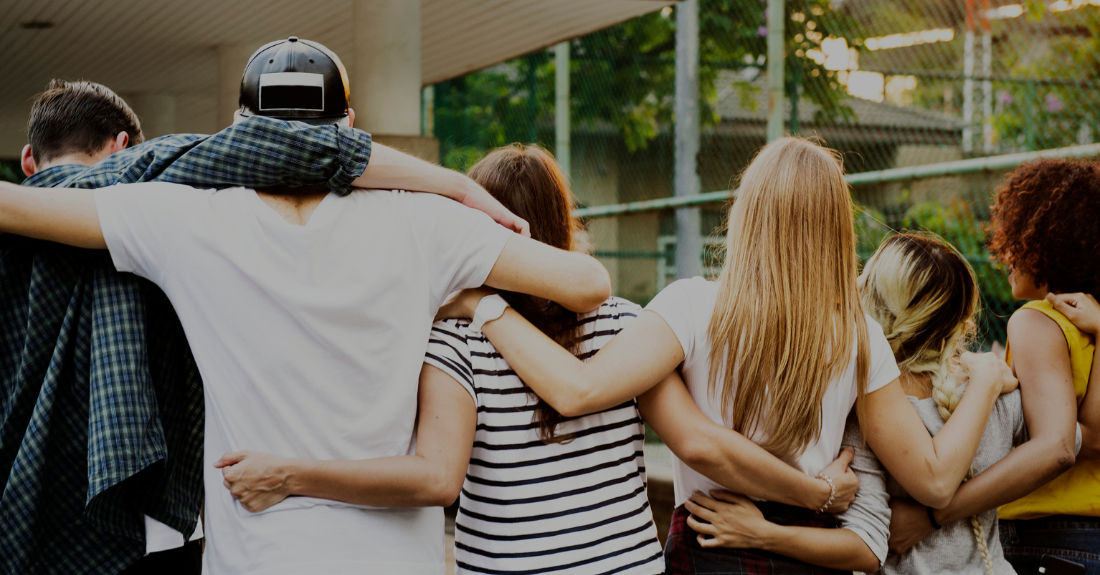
point(1046, 223)
point(529, 182)
point(924, 294)
point(788, 317)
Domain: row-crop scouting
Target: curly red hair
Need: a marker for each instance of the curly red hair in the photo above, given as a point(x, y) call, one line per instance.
point(1046, 224)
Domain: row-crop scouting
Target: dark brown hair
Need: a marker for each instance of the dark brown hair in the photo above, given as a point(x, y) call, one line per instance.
point(528, 181)
point(78, 117)
point(1046, 223)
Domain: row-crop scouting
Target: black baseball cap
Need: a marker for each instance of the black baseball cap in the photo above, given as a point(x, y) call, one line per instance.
point(295, 79)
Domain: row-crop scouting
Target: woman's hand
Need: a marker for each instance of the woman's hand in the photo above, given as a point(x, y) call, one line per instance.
point(844, 479)
point(462, 304)
point(990, 368)
point(1080, 308)
point(257, 480)
point(727, 520)
point(909, 524)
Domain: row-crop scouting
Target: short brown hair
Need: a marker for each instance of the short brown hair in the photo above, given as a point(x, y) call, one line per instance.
point(78, 117)
point(529, 182)
point(1046, 224)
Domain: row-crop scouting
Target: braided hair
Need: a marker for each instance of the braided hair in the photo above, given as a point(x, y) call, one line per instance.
point(923, 293)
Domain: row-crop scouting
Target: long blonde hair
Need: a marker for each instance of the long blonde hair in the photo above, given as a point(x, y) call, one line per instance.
point(924, 294)
point(788, 312)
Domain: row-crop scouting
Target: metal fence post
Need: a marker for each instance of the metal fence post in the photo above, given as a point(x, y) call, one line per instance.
point(776, 22)
point(689, 243)
point(562, 147)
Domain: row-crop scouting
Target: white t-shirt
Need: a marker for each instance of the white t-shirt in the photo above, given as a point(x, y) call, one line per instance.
point(309, 340)
point(686, 306)
point(160, 537)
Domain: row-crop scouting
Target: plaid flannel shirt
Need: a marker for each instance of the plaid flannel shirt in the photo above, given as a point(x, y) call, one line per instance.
point(101, 402)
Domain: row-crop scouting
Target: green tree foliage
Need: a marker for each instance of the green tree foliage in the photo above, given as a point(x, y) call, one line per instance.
point(10, 171)
point(623, 77)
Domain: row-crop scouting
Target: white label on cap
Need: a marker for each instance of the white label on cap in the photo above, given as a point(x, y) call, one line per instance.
point(292, 79)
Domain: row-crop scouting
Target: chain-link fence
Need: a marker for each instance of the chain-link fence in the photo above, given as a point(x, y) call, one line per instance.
point(890, 84)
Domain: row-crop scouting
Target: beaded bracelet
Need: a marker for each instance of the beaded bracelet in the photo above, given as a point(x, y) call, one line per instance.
point(832, 491)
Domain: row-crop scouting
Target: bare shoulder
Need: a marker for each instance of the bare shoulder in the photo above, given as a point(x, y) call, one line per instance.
point(1036, 339)
point(1028, 328)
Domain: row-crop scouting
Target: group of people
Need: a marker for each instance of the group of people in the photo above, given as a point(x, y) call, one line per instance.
point(823, 418)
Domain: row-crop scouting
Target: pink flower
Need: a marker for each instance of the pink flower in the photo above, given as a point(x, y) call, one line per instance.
point(762, 31)
point(1005, 98)
point(1053, 104)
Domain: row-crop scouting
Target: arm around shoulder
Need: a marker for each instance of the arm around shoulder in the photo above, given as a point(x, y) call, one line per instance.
point(577, 281)
point(66, 216)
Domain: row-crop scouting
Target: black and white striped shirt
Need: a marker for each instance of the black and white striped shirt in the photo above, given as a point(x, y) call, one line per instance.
point(531, 507)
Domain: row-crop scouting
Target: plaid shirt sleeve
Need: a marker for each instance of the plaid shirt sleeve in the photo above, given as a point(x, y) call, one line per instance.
point(259, 152)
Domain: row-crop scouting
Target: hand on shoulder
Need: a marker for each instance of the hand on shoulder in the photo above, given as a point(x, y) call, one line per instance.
point(988, 367)
point(1079, 308)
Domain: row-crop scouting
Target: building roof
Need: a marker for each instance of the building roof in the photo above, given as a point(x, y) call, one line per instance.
point(142, 46)
point(750, 105)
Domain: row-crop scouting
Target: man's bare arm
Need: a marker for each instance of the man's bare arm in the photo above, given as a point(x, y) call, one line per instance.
point(390, 169)
point(66, 216)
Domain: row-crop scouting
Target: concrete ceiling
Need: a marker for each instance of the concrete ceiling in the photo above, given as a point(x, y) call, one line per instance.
point(136, 46)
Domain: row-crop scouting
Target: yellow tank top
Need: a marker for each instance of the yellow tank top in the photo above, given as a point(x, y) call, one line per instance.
point(1077, 491)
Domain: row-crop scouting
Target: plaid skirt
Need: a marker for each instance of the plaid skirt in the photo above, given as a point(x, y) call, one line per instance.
point(684, 555)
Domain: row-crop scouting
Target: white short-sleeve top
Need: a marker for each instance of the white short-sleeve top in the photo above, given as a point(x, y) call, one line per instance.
point(687, 306)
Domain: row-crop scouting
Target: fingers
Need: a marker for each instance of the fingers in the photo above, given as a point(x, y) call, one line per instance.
point(846, 455)
point(701, 527)
point(708, 542)
point(230, 459)
point(521, 227)
point(700, 511)
point(1064, 303)
point(704, 501)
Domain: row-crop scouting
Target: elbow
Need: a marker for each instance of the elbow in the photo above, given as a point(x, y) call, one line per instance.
point(866, 562)
point(697, 453)
point(1063, 457)
point(573, 405)
point(592, 288)
point(443, 490)
point(870, 565)
point(937, 494)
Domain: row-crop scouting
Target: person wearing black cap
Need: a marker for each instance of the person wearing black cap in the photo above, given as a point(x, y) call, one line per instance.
point(308, 317)
point(86, 523)
point(298, 80)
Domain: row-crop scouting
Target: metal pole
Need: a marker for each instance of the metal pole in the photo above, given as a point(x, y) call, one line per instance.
point(955, 168)
point(562, 147)
point(796, 81)
point(689, 241)
point(987, 86)
point(968, 83)
point(776, 21)
point(532, 103)
point(427, 111)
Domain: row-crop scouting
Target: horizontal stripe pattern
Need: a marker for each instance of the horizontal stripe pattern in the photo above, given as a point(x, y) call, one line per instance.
point(532, 507)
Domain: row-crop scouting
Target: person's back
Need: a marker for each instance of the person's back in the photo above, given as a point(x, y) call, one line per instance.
point(309, 338)
point(924, 294)
point(576, 501)
point(954, 547)
point(544, 492)
point(1076, 491)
